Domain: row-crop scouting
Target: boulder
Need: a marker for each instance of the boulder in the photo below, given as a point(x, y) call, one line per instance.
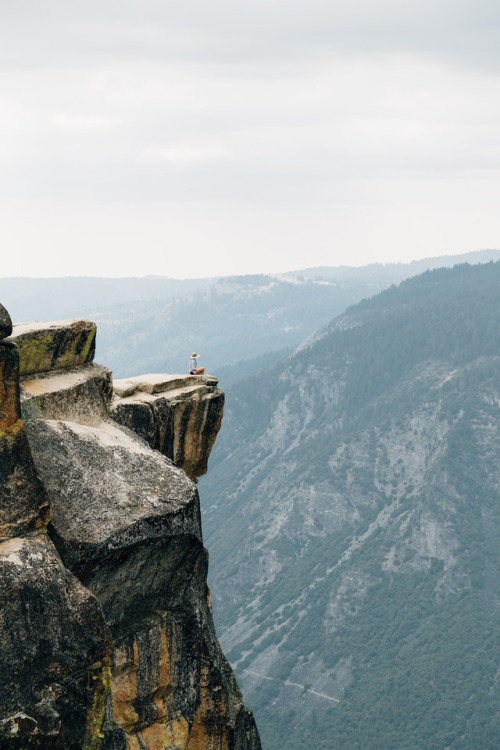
point(125, 520)
point(178, 415)
point(5, 323)
point(78, 394)
point(44, 347)
point(55, 654)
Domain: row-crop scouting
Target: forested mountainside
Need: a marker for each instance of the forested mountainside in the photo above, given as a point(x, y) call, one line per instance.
point(352, 510)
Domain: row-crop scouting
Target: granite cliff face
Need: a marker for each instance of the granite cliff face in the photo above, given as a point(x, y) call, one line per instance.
point(105, 618)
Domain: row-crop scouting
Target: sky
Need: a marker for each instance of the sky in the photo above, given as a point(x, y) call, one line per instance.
point(193, 138)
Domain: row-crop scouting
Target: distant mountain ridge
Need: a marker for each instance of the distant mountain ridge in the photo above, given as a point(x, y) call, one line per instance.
point(51, 298)
point(57, 298)
point(237, 324)
point(354, 501)
point(396, 272)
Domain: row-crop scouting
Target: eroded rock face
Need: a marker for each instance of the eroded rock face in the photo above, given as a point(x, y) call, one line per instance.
point(126, 522)
point(55, 645)
point(55, 651)
point(44, 347)
point(153, 678)
point(178, 415)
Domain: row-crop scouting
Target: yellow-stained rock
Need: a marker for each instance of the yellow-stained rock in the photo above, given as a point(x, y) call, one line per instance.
point(124, 685)
point(56, 345)
point(172, 688)
point(9, 389)
point(209, 730)
point(173, 735)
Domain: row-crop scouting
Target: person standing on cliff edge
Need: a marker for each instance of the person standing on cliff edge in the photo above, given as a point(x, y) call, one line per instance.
point(193, 369)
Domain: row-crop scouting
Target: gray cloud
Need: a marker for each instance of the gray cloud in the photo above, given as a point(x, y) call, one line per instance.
point(299, 119)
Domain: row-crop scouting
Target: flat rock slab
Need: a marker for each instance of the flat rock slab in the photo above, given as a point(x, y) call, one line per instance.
point(5, 323)
point(125, 520)
point(78, 394)
point(44, 347)
point(50, 626)
point(159, 383)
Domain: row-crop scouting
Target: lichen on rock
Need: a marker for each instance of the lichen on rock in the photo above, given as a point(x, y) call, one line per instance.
point(44, 347)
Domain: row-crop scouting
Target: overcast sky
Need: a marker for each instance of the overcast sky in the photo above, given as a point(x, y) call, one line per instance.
point(206, 137)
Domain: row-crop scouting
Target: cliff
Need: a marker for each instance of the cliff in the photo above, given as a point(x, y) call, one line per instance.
point(105, 620)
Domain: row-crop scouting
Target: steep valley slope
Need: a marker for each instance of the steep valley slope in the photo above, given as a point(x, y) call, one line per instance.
point(352, 511)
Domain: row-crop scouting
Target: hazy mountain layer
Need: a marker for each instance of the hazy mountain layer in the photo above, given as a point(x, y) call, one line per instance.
point(380, 275)
point(235, 319)
point(352, 510)
point(69, 297)
point(236, 323)
point(56, 298)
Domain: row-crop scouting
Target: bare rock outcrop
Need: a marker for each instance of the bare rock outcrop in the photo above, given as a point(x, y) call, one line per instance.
point(124, 570)
point(179, 415)
point(125, 520)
